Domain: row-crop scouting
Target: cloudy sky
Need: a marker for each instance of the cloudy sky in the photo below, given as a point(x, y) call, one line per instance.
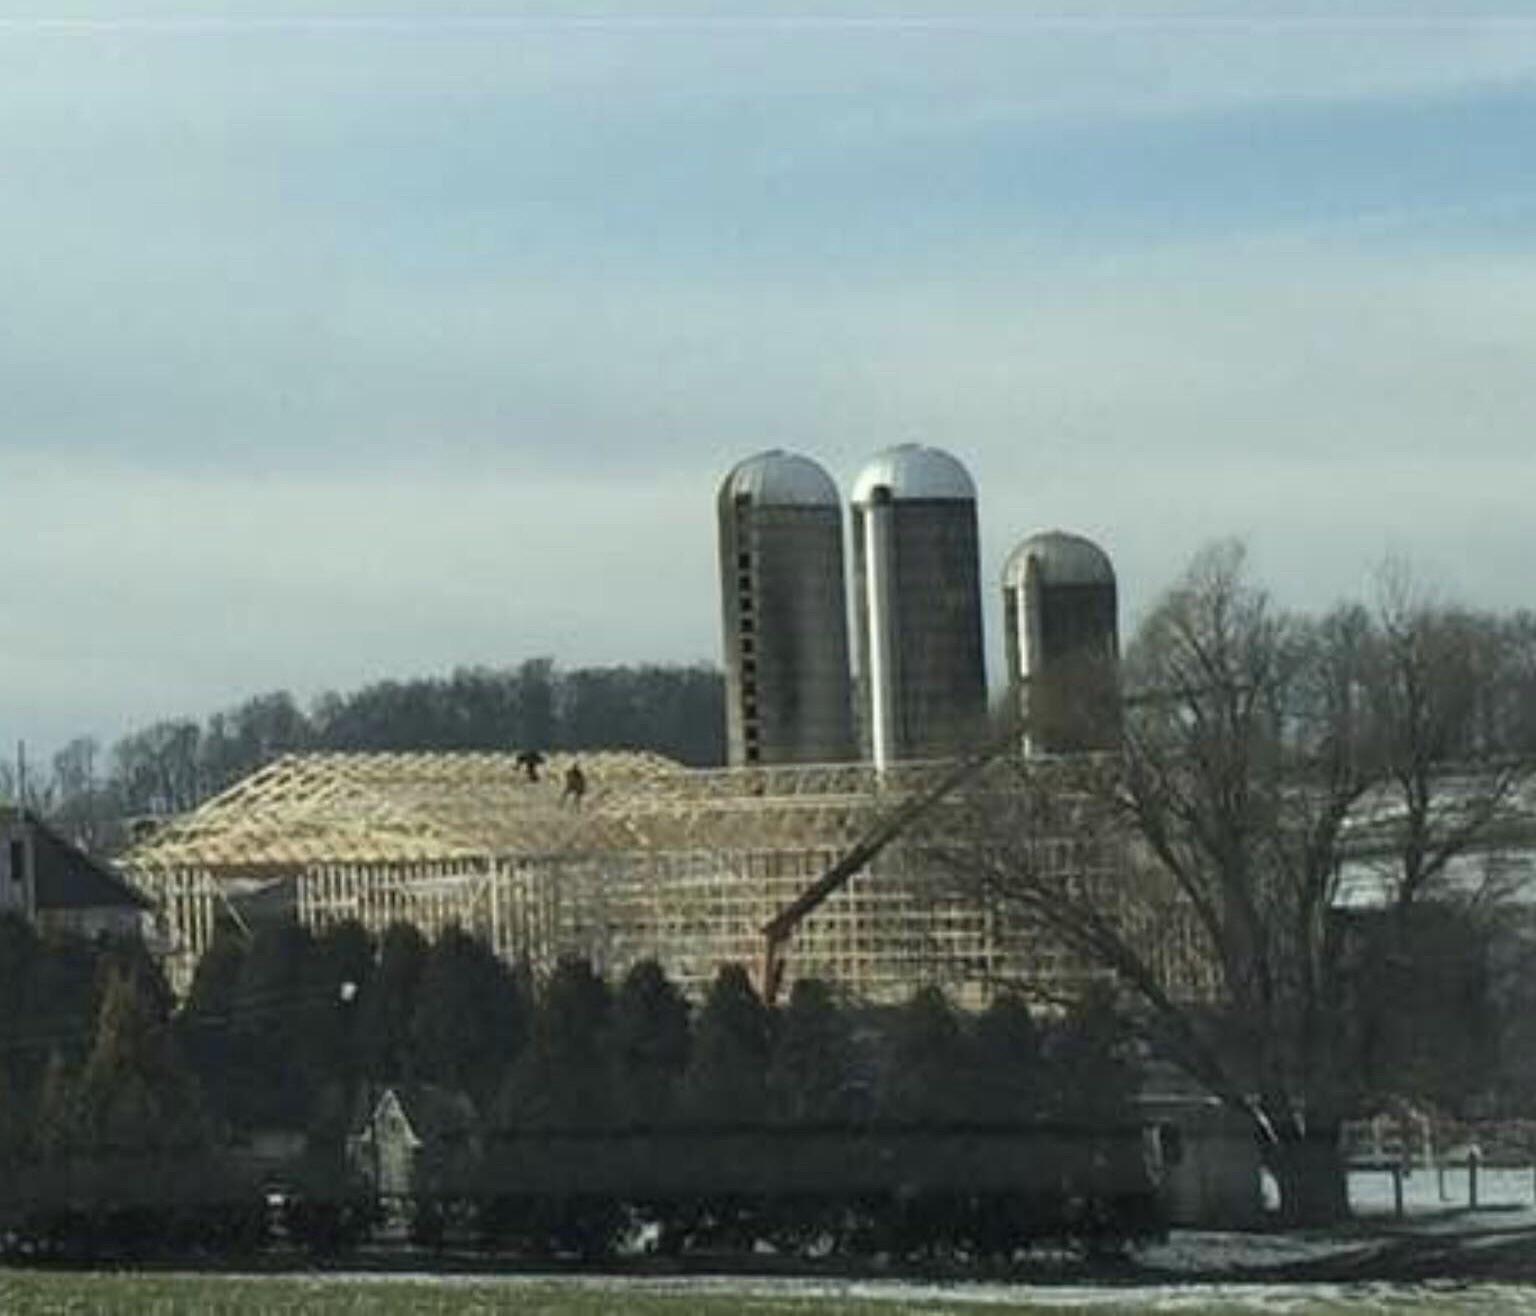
point(365, 338)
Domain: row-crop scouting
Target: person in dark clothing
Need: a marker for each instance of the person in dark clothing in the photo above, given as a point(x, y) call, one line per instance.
point(575, 785)
point(530, 761)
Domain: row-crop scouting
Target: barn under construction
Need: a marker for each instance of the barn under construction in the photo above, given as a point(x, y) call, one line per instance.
point(654, 860)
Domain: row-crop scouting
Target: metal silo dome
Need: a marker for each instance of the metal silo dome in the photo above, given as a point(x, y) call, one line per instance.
point(780, 479)
point(912, 471)
point(1059, 559)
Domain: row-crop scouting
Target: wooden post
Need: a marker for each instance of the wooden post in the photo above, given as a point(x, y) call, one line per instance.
point(496, 938)
point(1397, 1190)
point(1474, 1155)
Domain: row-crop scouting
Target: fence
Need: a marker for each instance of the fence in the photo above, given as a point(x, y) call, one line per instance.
point(1409, 1162)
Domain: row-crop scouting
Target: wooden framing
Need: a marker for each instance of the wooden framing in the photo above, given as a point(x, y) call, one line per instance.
point(656, 860)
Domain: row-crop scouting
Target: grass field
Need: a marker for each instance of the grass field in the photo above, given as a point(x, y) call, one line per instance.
point(31, 1293)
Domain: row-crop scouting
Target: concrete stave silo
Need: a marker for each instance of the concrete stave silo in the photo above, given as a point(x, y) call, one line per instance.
point(784, 606)
point(1061, 633)
point(918, 633)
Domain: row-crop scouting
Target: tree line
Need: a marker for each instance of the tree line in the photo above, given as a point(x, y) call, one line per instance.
point(126, 1107)
point(273, 1027)
point(173, 765)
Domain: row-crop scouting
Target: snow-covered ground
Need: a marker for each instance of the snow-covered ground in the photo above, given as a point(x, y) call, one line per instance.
point(1214, 1252)
point(1434, 1191)
point(1432, 1206)
point(1193, 1271)
point(1228, 1298)
point(830, 1296)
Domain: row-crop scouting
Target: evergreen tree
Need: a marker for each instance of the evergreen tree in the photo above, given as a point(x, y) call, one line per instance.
point(928, 1071)
point(131, 958)
point(341, 964)
point(471, 1016)
point(564, 1079)
point(273, 1029)
point(216, 979)
point(134, 1096)
point(15, 1120)
point(650, 1043)
point(727, 1078)
point(51, 991)
point(19, 951)
point(16, 1138)
point(336, 973)
point(205, 1025)
point(812, 1077)
point(1094, 1078)
point(387, 1004)
point(1007, 1083)
point(345, 955)
point(53, 1113)
point(63, 995)
point(1094, 1083)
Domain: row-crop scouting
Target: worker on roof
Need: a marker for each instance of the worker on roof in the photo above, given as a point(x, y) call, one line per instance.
point(575, 785)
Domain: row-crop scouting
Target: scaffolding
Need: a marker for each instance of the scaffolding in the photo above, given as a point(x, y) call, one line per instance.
point(655, 860)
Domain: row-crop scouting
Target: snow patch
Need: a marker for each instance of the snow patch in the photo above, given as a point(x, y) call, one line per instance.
point(1261, 1298)
point(1209, 1252)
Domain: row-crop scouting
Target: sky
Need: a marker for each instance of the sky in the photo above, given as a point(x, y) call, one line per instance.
point(370, 338)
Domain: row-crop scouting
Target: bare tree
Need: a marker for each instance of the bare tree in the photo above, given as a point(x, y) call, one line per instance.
point(1436, 689)
point(1200, 866)
point(77, 805)
point(157, 769)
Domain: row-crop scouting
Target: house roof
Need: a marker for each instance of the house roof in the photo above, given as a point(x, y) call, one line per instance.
point(65, 877)
point(433, 1112)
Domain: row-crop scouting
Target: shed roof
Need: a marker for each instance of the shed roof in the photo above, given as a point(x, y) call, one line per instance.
point(433, 1113)
point(65, 877)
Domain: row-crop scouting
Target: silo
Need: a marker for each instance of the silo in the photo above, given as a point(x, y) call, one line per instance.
point(917, 605)
point(1061, 630)
point(788, 697)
